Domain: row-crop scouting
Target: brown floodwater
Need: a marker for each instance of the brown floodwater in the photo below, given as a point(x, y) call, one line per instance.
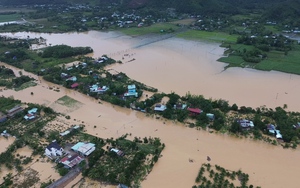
point(5, 143)
point(267, 165)
point(185, 66)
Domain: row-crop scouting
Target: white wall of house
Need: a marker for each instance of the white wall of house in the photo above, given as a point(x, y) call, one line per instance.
point(53, 152)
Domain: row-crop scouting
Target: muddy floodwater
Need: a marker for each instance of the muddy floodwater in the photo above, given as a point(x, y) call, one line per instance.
point(184, 66)
point(260, 160)
point(181, 66)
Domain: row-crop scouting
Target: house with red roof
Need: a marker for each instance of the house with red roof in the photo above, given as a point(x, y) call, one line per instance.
point(194, 111)
point(75, 85)
point(71, 160)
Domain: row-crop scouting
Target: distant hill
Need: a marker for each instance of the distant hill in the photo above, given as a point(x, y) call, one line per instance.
point(271, 9)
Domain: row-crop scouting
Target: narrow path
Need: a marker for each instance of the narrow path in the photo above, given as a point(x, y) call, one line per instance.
point(63, 181)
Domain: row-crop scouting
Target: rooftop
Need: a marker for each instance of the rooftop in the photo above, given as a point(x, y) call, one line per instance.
point(54, 144)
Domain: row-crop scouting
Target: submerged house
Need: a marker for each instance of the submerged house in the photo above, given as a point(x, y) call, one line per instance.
point(14, 111)
point(160, 108)
point(75, 85)
point(180, 106)
point(245, 124)
point(96, 89)
point(194, 111)
point(272, 130)
point(210, 116)
point(3, 117)
point(72, 78)
point(131, 91)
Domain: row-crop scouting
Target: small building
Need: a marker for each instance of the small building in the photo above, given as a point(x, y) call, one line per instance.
point(29, 117)
point(297, 125)
point(64, 75)
point(118, 152)
point(271, 128)
point(278, 134)
point(72, 78)
point(160, 108)
point(71, 160)
point(54, 149)
point(64, 133)
point(131, 91)
point(179, 106)
point(194, 111)
point(245, 124)
point(96, 89)
point(31, 114)
point(84, 149)
point(14, 111)
point(122, 186)
point(75, 85)
point(3, 117)
point(210, 116)
point(33, 111)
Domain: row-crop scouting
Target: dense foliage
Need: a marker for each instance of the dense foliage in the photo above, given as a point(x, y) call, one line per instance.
point(63, 51)
point(216, 176)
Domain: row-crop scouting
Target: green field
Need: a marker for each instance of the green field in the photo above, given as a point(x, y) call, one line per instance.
point(208, 36)
point(278, 61)
point(153, 29)
point(9, 17)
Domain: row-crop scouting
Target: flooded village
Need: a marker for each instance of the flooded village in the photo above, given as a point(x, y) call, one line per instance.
point(170, 65)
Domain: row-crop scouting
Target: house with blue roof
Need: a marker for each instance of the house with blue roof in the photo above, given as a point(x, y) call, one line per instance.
point(84, 149)
point(131, 91)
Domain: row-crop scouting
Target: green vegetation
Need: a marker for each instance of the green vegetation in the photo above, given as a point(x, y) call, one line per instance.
point(129, 166)
point(159, 28)
point(208, 36)
point(216, 176)
point(16, 52)
point(12, 16)
point(68, 102)
point(28, 133)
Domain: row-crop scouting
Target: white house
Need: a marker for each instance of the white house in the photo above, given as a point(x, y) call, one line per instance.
point(31, 114)
point(95, 88)
point(73, 78)
point(160, 108)
point(54, 149)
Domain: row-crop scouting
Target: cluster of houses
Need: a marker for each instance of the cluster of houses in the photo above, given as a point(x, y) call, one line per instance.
point(31, 114)
point(69, 158)
point(75, 154)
